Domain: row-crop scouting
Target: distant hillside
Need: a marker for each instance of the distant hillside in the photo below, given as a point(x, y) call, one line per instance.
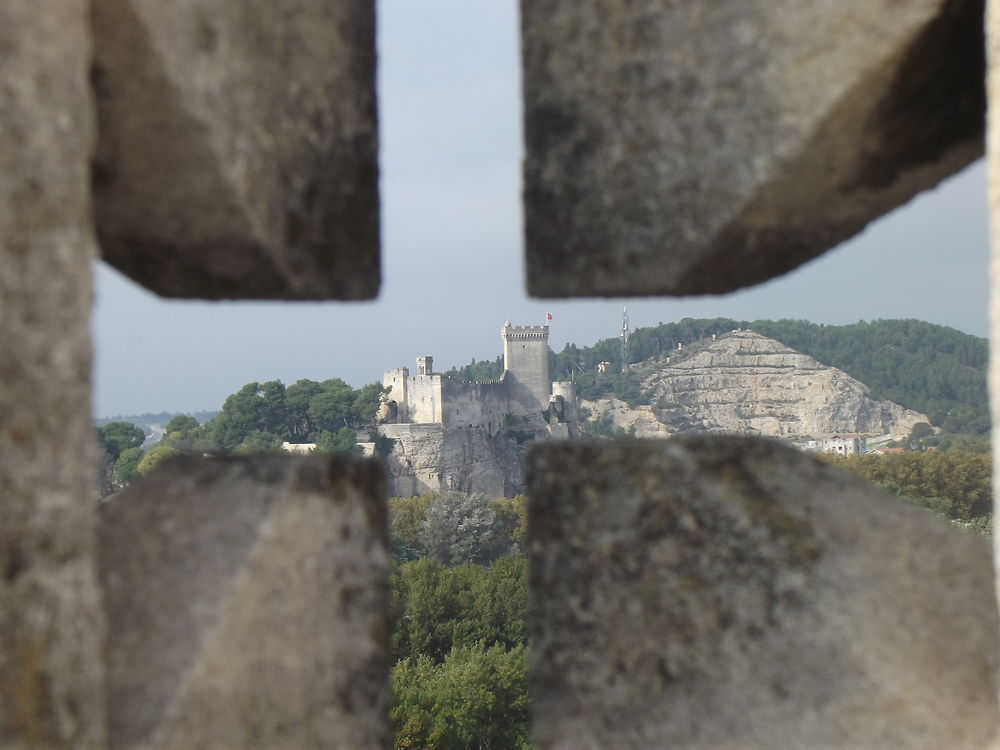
point(932, 369)
point(929, 368)
point(749, 384)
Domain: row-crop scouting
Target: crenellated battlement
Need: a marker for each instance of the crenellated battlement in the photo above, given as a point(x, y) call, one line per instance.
point(524, 333)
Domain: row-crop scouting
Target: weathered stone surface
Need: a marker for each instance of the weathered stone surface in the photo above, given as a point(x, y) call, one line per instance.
point(237, 150)
point(247, 603)
point(430, 458)
point(747, 383)
point(993, 151)
point(51, 691)
point(730, 592)
point(691, 148)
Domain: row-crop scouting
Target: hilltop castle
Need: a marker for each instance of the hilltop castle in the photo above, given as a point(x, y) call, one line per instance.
point(467, 436)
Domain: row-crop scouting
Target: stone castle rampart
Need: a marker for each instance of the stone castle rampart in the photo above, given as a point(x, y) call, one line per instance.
point(469, 436)
point(522, 391)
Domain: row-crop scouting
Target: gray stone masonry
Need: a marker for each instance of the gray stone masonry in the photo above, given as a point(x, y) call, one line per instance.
point(694, 593)
point(697, 147)
point(247, 602)
point(51, 690)
point(712, 592)
point(237, 149)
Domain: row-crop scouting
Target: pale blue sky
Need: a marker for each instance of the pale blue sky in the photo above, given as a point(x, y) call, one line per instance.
point(452, 266)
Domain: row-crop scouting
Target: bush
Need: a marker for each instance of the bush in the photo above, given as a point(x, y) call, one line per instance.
point(954, 483)
point(435, 608)
point(476, 698)
point(463, 528)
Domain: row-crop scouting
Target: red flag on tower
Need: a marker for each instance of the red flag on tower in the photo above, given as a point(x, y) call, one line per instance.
point(548, 316)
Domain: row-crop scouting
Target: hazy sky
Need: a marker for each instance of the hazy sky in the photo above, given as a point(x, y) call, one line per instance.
point(451, 250)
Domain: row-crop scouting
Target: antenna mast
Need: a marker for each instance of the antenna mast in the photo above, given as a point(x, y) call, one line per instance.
point(624, 338)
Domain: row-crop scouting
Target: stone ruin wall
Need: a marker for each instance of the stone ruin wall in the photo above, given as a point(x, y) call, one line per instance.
point(703, 592)
point(430, 399)
point(476, 404)
point(450, 436)
point(425, 398)
point(396, 381)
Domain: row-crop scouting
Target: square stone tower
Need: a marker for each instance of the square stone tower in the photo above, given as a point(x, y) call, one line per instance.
point(526, 360)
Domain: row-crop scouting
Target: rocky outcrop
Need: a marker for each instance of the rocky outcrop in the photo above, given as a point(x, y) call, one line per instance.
point(747, 383)
point(429, 458)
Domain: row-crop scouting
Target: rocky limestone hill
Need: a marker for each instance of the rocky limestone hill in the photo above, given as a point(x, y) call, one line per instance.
point(747, 383)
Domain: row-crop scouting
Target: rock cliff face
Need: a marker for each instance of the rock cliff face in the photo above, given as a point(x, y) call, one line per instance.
point(430, 458)
point(747, 383)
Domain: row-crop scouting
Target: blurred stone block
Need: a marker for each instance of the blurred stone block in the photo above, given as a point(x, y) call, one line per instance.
point(692, 148)
point(51, 688)
point(247, 602)
point(731, 592)
point(993, 166)
point(237, 147)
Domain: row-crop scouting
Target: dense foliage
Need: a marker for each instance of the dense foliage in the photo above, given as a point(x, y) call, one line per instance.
point(475, 698)
point(455, 527)
point(258, 418)
point(954, 483)
point(477, 372)
point(119, 454)
point(459, 630)
point(306, 412)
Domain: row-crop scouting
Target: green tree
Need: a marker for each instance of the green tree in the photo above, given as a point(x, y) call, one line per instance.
point(185, 434)
point(478, 371)
point(181, 423)
point(366, 401)
point(406, 517)
point(918, 431)
point(476, 698)
point(338, 441)
point(259, 441)
point(513, 515)
point(127, 466)
point(275, 416)
point(435, 608)
point(463, 528)
point(242, 413)
point(119, 436)
point(331, 408)
point(961, 479)
point(297, 399)
point(154, 456)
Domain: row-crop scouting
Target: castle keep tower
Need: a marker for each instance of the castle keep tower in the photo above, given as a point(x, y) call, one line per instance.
point(526, 360)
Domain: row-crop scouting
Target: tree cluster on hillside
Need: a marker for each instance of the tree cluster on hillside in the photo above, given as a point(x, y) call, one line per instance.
point(458, 605)
point(258, 418)
point(953, 483)
point(478, 372)
point(263, 415)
